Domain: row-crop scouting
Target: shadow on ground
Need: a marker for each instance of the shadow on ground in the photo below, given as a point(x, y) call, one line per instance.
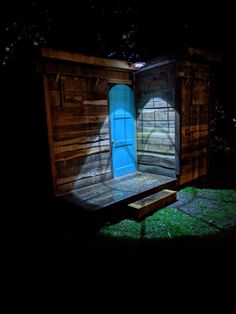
point(56, 258)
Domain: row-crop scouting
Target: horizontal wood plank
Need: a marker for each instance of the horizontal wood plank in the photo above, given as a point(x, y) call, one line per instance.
point(85, 174)
point(81, 152)
point(155, 159)
point(157, 170)
point(56, 70)
point(150, 204)
point(82, 58)
point(155, 90)
point(70, 186)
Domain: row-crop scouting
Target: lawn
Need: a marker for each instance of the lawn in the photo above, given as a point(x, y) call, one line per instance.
point(197, 212)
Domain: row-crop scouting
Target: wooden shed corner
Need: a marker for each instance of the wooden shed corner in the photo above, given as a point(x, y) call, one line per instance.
point(105, 119)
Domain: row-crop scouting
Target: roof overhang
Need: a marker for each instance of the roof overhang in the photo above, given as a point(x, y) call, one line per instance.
point(85, 59)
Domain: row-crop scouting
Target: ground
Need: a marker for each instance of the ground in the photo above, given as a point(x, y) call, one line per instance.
point(197, 212)
point(56, 258)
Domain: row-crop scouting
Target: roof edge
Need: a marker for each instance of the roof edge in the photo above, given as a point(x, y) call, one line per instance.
point(195, 52)
point(187, 53)
point(82, 58)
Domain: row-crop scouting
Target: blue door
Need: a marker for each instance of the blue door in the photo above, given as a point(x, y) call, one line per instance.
point(122, 119)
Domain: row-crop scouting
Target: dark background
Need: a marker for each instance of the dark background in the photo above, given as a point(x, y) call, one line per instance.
point(47, 249)
point(123, 29)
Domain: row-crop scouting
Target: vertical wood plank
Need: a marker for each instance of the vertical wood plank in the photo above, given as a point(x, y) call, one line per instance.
point(195, 102)
point(50, 132)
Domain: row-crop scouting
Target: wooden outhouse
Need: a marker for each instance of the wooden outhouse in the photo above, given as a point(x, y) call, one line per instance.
point(173, 98)
point(106, 118)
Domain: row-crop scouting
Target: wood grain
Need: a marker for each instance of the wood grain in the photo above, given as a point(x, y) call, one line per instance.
point(155, 94)
point(79, 130)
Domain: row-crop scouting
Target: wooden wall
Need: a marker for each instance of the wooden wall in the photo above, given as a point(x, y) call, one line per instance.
point(194, 96)
point(155, 97)
point(172, 127)
point(78, 123)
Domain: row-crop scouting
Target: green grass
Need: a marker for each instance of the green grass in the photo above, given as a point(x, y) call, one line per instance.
point(206, 211)
point(217, 207)
point(227, 196)
point(165, 223)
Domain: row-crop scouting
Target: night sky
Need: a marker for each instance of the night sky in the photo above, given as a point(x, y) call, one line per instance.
point(120, 29)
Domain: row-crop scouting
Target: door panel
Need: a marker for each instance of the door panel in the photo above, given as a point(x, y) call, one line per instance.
point(122, 117)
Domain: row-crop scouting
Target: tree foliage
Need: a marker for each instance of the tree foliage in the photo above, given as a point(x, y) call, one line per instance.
point(125, 29)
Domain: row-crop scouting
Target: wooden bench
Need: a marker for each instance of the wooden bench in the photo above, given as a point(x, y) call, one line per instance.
point(151, 203)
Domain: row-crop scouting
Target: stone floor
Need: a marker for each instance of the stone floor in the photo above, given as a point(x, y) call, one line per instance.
point(119, 190)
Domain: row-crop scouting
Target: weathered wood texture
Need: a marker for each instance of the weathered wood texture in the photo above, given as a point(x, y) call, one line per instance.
point(119, 191)
point(194, 92)
point(77, 110)
point(78, 123)
point(81, 70)
point(155, 96)
point(172, 124)
point(204, 54)
point(151, 203)
point(81, 58)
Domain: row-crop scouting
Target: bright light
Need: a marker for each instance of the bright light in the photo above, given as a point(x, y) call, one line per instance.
point(139, 65)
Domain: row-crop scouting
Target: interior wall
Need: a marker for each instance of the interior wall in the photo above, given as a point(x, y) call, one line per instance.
point(156, 120)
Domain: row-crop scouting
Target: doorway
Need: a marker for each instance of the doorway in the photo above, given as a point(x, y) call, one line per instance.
point(122, 123)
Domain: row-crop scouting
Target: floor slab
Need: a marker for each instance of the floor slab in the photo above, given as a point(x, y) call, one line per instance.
point(119, 190)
